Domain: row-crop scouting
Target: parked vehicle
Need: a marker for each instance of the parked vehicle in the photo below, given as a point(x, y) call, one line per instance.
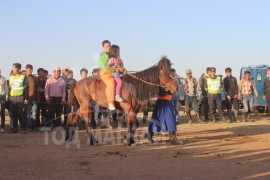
point(258, 74)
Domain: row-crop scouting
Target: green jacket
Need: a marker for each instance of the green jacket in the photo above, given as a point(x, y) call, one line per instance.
point(103, 61)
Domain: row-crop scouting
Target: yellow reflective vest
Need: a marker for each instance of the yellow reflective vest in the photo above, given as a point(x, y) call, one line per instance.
point(16, 84)
point(214, 85)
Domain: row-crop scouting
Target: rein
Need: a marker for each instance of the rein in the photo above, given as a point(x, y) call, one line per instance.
point(146, 82)
point(153, 84)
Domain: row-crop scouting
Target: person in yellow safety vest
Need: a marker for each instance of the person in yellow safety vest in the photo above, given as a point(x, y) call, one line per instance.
point(18, 97)
point(213, 86)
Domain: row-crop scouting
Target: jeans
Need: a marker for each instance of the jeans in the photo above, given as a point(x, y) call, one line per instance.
point(31, 110)
point(16, 108)
point(191, 101)
point(214, 100)
point(176, 105)
point(248, 102)
point(3, 107)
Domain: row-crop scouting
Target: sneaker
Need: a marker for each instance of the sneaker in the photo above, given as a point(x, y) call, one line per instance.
point(119, 99)
point(2, 131)
point(111, 107)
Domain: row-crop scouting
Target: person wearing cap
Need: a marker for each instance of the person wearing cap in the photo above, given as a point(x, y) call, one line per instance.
point(55, 94)
point(204, 107)
point(64, 73)
point(247, 89)
point(266, 89)
point(213, 86)
point(42, 105)
point(191, 91)
point(177, 96)
point(230, 87)
point(33, 97)
point(3, 100)
point(70, 83)
point(84, 73)
point(18, 96)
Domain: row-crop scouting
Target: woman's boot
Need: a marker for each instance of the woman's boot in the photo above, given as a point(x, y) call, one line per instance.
point(149, 137)
point(173, 139)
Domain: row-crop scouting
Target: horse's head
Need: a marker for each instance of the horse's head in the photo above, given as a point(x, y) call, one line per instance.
point(166, 79)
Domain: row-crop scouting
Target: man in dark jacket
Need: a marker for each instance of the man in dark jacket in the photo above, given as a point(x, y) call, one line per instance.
point(42, 105)
point(231, 91)
point(204, 108)
point(266, 89)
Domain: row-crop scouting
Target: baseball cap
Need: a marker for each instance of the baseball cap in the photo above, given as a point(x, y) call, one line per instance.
point(188, 71)
point(17, 65)
point(213, 69)
point(57, 69)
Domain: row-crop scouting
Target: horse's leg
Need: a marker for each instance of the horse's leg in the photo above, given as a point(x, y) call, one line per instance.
point(131, 128)
point(114, 120)
point(72, 122)
point(88, 118)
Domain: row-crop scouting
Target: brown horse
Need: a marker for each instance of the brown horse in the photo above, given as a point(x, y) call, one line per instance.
point(137, 89)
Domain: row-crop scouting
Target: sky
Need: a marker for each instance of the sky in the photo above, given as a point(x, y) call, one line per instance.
point(193, 34)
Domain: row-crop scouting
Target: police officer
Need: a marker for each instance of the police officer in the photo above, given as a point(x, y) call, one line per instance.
point(231, 91)
point(213, 86)
point(18, 97)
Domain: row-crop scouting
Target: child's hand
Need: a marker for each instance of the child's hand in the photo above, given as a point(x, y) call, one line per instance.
point(119, 70)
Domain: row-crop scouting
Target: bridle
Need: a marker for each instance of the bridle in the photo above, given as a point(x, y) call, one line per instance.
point(167, 85)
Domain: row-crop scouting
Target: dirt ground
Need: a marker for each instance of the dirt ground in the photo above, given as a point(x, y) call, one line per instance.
point(209, 151)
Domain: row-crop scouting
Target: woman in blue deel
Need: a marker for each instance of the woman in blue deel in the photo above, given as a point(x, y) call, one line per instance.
point(163, 118)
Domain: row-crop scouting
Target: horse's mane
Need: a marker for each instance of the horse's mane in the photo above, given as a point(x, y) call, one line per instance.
point(141, 90)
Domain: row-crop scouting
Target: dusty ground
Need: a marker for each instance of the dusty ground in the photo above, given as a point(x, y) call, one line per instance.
point(210, 151)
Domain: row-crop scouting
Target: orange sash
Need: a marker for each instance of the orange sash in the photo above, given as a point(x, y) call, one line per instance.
point(167, 97)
